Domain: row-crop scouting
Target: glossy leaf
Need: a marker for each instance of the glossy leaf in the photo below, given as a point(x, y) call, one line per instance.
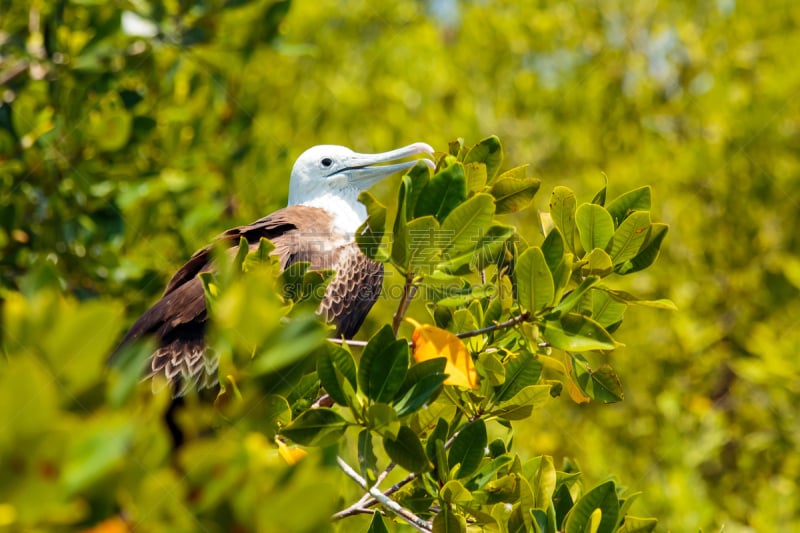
point(553, 249)
point(595, 226)
point(562, 210)
point(602, 497)
point(376, 525)
point(514, 194)
point(488, 151)
point(629, 237)
point(468, 448)
point(316, 427)
point(577, 333)
point(649, 252)
point(535, 288)
point(406, 450)
point(625, 204)
point(445, 190)
point(383, 366)
point(371, 235)
point(466, 224)
point(521, 370)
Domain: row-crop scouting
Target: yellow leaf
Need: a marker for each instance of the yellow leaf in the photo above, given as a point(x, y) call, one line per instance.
point(431, 342)
point(290, 455)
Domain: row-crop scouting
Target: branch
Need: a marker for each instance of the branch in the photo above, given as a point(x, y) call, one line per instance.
point(511, 322)
point(409, 290)
point(413, 520)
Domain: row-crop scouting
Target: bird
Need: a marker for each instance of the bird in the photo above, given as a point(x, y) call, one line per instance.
point(318, 226)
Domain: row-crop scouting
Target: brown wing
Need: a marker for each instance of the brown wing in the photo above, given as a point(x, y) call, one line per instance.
point(353, 291)
point(300, 233)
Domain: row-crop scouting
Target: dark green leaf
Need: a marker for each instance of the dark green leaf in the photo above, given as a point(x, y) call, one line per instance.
point(573, 298)
point(316, 427)
point(649, 251)
point(623, 205)
point(602, 384)
point(439, 433)
point(553, 249)
point(600, 197)
point(377, 525)
point(383, 366)
point(407, 451)
point(420, 393)
point(562, 502)
point(367, 460)
point(467, 224)
point(488, 249)
point(445, 190)
point(603, 497)
point(468, 448)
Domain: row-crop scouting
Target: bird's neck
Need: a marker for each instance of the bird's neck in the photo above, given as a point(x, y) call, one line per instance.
point(348, 213)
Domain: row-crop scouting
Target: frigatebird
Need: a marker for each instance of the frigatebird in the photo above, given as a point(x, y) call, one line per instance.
point(318, 226)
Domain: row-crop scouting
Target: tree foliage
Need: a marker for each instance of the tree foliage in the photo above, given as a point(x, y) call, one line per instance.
point(131, 134)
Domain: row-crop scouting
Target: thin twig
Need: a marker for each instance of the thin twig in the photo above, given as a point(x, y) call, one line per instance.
point(349, 342)
point(413, 520)
point(511, 322)
point(409, 290)
point(360, 505)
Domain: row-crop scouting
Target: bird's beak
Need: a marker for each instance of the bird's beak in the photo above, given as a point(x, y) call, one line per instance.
point(364, 170)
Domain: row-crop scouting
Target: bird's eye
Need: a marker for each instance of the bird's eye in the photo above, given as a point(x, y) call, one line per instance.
point(326, 162)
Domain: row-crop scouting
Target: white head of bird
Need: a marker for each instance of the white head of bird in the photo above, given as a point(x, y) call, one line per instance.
point(331, 177)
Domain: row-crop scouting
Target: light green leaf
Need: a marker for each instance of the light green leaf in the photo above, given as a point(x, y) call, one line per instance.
point(633, 524)
point(448, 522)
point(629, 237)
point(606, 310)
point(535, 288)
point(573, 298)
point(521, 370)
point(595, 226)
point(316, 427)
point(522, 404)
point(629, 298)
point(597, 263)
point(514, 194)
point(562, 210)
point(466, 224)
point(489, 249)
point(488, 151)
point(577, 333)
point(454, 492)
point(371, 235)
point(649, 251)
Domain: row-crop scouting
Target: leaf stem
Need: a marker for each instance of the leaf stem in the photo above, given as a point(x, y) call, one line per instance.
point(409, 290)
point(511, 322)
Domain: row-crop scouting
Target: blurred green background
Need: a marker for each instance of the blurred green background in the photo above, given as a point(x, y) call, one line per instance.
point(131, 133)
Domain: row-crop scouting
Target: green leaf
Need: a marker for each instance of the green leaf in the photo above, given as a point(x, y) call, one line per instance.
point(553, 249)
point(597, 263)
point(633, 524)
point(602, 497)
point(629, 298)
point(649, 251)
point(625, 204)
point(562, 210)
point(577, 333)
point(291, 280)
point(446, 521)
point(490, 368)
point(467, 224)
point(407, 451)
point(241, 254)
point(367, 461)
point(514, 194)
point(488, 151)
point(562, 503)
point(600, 197)
point(573, 298)
point(629, 237)
point(522, 404)
point(334, 368)
point(602, 384)
point(468, 448)
point(595, 226)
point(420, 392)
point(98, 450)
point(521, 370)
point(562, 276)
point(476, 176)
point(424, 244)
point(454, 148)
point(400, 252)
point(459, 297)
point(259, 256)
point(383, 420)
point(316, 427)
point(292, 343)
point(371, 235)
point(383, 366)
point(535, 287)
point(376, 525)
point(606, 310)
point(439, 433)
point(445, 190)
point(489, 249)
point(454, 492)
point(542, 475)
